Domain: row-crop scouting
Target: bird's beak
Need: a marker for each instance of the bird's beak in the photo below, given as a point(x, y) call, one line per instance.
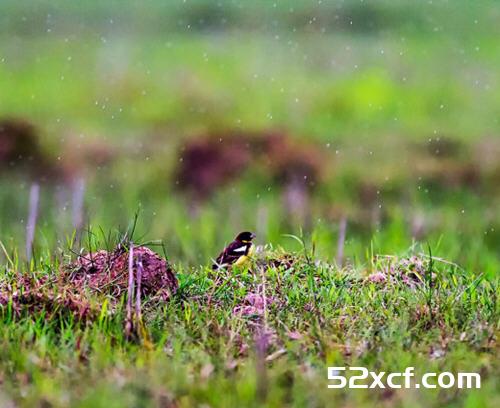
point(254, 236)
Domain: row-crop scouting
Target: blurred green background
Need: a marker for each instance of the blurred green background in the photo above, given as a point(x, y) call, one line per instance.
point(401, 99)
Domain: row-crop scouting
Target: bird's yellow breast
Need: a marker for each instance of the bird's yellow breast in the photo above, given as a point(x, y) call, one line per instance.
point(242, 260)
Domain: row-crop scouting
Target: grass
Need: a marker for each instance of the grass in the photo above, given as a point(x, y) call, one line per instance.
point(381, 89)
point(205, 352)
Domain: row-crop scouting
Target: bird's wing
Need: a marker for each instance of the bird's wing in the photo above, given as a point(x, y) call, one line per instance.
point(236, 248)
point(232, 253)
point(241, 249)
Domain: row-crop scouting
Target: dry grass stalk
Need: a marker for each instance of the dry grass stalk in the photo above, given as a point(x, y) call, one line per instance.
point(32, 217)
point(128, 322)
point(140, 268)
point(263, 275)
point(78, 195)
point(262, 346)
point(341, 241)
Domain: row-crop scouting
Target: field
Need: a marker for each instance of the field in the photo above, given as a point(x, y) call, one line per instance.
point(360, 141)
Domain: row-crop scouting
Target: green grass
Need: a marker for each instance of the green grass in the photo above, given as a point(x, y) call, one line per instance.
point(205, 353)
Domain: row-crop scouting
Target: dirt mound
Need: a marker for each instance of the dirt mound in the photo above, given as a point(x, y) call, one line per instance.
point(18, 143)
point(34, 294)
point(443, 146)
point(20, 150)
point(211, 161)
point(107, 272)
point(82, 160)
point(448, 173)
point(290, 162)
point(101, 272)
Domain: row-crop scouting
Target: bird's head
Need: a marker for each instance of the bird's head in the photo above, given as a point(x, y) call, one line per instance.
point(245, 236)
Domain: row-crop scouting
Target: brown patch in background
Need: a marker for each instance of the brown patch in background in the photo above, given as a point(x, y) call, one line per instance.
point(20, 150)
point(210, 162)
point(449, 173)
point(79, 160)
point(18, 142)
point(443, 146)
point(291, 162)
point(444, 162)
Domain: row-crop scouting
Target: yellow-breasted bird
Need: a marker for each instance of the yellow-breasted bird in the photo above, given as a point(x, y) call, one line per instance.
point(237, 252)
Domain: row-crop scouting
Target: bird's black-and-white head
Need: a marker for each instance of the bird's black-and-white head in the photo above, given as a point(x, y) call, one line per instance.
point(245, 236)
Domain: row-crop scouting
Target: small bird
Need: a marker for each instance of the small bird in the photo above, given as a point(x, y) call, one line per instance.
point(237, 252)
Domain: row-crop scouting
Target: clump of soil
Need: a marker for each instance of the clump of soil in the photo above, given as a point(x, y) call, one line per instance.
point(282, 261)
point(411, 271)
point(32, 294)
point(254, 304)
point(377, 277)
point(107, 272)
